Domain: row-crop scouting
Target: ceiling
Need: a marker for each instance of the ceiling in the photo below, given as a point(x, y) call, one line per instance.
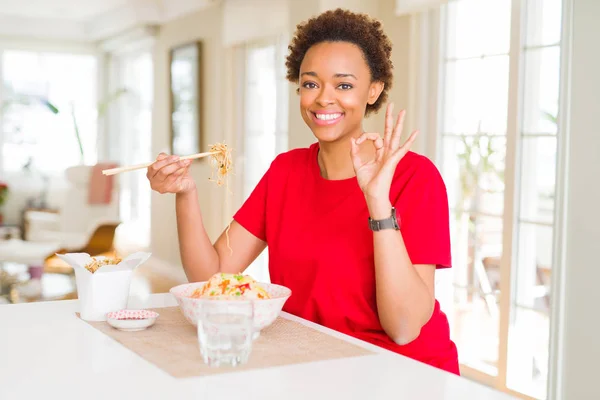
point(87, 21)
point(74, 10)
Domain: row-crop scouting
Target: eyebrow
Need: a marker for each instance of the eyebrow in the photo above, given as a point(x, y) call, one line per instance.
point(338, 75)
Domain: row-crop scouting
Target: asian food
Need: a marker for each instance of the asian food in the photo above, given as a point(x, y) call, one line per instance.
point(231, 286)
point(96, 263)
point(220, 163)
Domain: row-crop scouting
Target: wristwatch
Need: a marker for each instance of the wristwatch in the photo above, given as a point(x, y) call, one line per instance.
point(388, 223)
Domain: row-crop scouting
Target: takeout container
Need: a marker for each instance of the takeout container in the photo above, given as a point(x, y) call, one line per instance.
point(105, 290)
point(266, 311)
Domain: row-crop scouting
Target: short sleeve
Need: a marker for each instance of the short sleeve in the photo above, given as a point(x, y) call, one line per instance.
point(425, 223)
point(252, 215)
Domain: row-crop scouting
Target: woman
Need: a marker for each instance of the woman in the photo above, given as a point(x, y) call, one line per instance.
point(356, 225)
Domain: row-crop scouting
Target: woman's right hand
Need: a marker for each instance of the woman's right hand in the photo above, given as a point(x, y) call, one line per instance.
point(169, 174)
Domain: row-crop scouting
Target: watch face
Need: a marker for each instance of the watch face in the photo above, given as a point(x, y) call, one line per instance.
point(373, 225)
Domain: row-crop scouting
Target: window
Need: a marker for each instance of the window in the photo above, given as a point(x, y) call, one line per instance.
point(32, 132)
point(498, 154)
point(131, 141)
point(265, 116)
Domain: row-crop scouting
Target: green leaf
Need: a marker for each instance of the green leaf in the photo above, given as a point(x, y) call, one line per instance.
point(550, 117)
point(50, 106)
point(103, 106)
point(78, 136)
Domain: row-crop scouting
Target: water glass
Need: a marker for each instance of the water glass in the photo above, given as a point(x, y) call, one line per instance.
point(225, 330)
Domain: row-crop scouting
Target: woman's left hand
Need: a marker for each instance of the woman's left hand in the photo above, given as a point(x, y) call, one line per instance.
point(375, 176)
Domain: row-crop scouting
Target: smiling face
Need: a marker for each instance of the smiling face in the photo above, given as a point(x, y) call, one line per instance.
point(335, 88)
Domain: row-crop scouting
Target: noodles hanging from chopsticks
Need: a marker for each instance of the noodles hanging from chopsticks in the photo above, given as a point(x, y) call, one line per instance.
point(220, 164)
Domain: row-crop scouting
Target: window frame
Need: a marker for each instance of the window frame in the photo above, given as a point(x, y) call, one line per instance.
point(431, 45)
point(115, 123)
point(235, 130)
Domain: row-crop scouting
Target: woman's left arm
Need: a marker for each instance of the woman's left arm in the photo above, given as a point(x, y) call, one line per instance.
point(405, 292)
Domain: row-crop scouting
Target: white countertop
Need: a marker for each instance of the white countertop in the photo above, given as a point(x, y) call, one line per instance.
point(47, 352)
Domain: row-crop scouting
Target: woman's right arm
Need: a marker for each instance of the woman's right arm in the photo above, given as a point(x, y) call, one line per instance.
point(200, 258)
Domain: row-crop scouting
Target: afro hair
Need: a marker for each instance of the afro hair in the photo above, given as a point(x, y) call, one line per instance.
point(345, 26)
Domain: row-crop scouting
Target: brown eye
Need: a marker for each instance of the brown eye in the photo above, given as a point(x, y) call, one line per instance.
point(309, 85)
point(345, 86)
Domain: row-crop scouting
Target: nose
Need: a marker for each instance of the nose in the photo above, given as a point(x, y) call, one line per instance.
point(325, 97)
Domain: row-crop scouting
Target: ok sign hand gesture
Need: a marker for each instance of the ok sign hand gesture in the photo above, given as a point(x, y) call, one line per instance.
point(375, 176)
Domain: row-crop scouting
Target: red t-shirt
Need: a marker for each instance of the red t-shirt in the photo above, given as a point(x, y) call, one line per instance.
point(320, 245)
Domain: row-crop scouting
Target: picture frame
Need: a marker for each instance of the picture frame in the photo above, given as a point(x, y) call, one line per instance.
point(186, 99)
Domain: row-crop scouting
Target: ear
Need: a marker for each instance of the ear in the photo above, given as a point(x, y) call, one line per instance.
point(374, 91)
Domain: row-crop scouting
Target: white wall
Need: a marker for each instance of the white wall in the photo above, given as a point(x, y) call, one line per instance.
point(205, 26)
point(398, 29)
point(242, 20)
point(299, 134)
point(582, 270)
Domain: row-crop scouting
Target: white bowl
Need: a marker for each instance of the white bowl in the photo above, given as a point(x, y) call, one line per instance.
point(266, 311)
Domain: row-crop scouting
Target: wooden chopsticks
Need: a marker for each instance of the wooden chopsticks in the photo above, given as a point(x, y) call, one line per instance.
point(114, 171)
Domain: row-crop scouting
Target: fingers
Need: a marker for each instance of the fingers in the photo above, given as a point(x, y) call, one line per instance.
point(171, 182)
point(379, 152)
point(408, 144)
point(162, 157)
point(401, 152)
point(161, 161)
point(397, 133)
point(377, 141)
point(354, 146)
point(165, 172)
point(389, 122)
point(354, 153)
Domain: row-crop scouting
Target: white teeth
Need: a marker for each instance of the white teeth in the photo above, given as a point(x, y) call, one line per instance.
point(327, 117)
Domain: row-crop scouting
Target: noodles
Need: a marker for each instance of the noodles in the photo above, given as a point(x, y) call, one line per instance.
point(97, 263)
point(220, 163)
point(227, 235)
point(224, 286)
point(221, 166)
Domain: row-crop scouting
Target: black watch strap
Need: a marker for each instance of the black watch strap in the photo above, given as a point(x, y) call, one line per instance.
point(388, 223)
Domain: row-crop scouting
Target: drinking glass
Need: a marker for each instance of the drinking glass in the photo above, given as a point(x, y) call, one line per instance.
point(225, 331)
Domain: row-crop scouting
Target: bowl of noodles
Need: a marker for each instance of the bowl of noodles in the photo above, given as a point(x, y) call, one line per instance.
point(267, 298)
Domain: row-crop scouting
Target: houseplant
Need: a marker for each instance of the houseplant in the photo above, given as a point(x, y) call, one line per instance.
point(14, 98)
